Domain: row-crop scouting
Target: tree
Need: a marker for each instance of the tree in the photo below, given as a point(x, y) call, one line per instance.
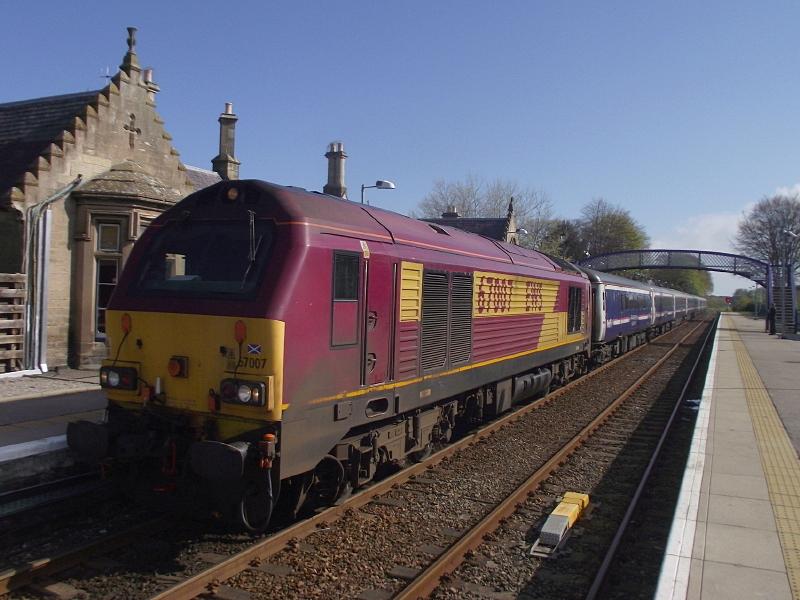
point(743, 301)
point(601, 228)
point(473, 197)
point(762, 231)
point(607, 228)
point(690, 281)
point(563, 238)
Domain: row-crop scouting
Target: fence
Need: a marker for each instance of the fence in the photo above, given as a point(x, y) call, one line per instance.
point(12, 322)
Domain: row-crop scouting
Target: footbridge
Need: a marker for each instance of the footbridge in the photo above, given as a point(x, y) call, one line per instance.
point(777, 279)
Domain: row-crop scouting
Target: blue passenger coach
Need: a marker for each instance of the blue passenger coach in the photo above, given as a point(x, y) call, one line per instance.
point(626, 312)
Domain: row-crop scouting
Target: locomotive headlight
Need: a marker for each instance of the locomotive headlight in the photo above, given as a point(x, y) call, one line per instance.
point(113, 378)
point(236, 391)
point(121, 378)
point(245, 393)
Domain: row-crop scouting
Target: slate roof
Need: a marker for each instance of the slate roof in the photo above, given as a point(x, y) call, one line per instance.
point(201, 178)
point(28, 127)
point(495, 229)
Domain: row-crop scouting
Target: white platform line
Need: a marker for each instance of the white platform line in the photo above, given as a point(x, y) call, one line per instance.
point(673, 581)
point(25, 449)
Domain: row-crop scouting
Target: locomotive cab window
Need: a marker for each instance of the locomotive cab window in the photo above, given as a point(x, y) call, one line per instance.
point(345, 276)
point(346, 267)
point(206, 258)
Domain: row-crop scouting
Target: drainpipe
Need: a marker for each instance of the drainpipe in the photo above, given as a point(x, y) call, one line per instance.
point(35, 263)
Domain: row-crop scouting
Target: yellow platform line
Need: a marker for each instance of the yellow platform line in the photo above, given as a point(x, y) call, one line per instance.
point(780, 462)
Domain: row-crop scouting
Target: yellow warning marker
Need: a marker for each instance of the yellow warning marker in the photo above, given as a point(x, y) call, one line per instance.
point(559, 522)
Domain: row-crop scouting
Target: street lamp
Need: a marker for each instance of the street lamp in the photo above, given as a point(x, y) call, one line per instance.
point(381, 184)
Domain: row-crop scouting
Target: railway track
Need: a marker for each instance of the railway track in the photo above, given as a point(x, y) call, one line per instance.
point(407, 492)
point(429, 580)
point(257, 558)
point(16, 577)
point(17, 501)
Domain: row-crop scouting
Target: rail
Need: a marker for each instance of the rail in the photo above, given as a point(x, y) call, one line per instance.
point(609, 556)
point(209, 580)
point(428, 580)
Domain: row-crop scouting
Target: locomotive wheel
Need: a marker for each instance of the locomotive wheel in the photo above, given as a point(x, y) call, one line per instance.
point(329, 478)
point(256, 503)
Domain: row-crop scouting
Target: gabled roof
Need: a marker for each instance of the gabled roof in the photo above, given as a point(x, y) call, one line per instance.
point(494, 228)
point(27, 128)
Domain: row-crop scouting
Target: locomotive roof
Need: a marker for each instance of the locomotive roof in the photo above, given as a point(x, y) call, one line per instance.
point(297, 205)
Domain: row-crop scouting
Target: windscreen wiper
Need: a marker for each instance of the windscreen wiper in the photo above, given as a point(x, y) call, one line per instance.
point(255, 245)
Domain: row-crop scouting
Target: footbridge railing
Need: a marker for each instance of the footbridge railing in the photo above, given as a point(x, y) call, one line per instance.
point(757, 270)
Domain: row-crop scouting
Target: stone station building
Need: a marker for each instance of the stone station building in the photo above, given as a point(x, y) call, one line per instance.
point(81, 176)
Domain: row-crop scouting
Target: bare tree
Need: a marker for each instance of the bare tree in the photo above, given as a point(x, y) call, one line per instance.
point(465, 196)
point(473, 197)
point(764, 231)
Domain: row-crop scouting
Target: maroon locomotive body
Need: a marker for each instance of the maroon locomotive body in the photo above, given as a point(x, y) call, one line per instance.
point(296, 342)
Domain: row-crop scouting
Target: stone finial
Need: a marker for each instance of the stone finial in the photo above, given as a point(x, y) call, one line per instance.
point(510, 208)
point(336, 157)
point(130, 62)
point(225, 163)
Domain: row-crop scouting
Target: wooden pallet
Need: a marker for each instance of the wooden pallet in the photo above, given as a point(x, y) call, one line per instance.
point(12, 321)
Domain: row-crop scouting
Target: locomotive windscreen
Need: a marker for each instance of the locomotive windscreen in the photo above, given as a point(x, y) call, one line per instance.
point(205, 258)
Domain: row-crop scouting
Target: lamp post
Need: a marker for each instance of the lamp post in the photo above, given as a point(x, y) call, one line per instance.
point(381, 184)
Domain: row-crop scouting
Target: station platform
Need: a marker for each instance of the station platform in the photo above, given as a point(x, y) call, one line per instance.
point(736, 530)
point(35, 410)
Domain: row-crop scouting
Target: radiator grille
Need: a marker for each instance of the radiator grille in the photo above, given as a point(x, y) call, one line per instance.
point(461, 318)
point(433, 353)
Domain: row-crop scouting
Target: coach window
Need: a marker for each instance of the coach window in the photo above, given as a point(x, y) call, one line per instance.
point(108, 254)
point(344, 317)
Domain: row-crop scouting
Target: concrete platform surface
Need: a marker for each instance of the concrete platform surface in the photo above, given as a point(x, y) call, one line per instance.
point(27, 420)
point(13, 387)
point(35, 410)
point(736, 533)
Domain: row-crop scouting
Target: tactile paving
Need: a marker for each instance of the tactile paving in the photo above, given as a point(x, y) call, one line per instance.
point(779, 459)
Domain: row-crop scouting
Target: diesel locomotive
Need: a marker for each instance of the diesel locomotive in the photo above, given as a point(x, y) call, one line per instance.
point(272, 345)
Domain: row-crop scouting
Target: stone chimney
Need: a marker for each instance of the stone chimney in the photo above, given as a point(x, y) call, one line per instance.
point(225, 164)
point(150, 85)
point(451, 212)
point(336, 157)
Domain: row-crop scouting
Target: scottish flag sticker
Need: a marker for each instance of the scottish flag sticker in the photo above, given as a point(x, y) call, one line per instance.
point(254, 349)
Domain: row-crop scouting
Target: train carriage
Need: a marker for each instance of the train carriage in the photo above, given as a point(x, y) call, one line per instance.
point(663, 306)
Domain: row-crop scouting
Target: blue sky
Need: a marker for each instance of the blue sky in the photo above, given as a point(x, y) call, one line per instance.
point(684, 113)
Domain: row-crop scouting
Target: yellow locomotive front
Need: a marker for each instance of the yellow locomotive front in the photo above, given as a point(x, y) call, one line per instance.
point(194, 376)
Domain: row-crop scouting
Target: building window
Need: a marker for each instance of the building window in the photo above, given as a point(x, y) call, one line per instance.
point(107, 265)
point(108, 237)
